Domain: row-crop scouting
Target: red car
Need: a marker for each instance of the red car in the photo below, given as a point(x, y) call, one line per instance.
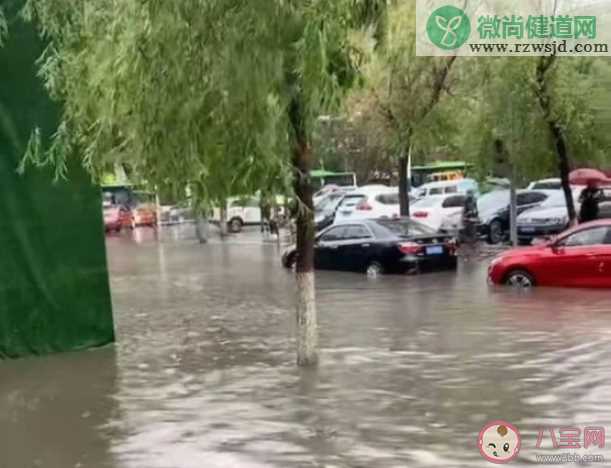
point(116, 217)
point(579, 258)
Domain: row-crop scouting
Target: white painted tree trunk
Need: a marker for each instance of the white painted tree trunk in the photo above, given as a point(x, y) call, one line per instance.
point(223, 225)
point(307, 321)
point(201, 229)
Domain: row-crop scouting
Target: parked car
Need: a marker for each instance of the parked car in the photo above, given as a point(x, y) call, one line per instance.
point(549, 218)
point(433, 210)
point(116, 217)
point(545, 184)
point(144, 211)
point(324, 192)
point(446, 188)
point(179, 213)
point(369, 202)
point(326, 208)
point(494, 211)
point(243, 211)
point(579, 257)
point(380, 246)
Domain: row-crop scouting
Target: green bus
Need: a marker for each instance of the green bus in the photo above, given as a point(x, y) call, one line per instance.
point(321, 178)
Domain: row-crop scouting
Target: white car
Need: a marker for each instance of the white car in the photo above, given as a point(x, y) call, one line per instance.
point(549, 218)
point(240, 212)
point(545, 184)
point(369, 202)
point(446, 188)
point(433, 211)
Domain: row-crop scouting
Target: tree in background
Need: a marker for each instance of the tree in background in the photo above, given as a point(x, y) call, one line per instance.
point(356, 141)
point(515, 102)
point(406, 90)
point(221, 96)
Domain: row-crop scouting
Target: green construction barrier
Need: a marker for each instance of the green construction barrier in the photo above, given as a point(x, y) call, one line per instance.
point(54, 290)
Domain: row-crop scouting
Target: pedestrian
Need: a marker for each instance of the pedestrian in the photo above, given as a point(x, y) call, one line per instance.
point(470, 217)
point(266, 214)
point(590, 199)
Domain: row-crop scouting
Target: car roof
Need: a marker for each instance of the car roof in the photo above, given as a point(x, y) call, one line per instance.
point(369, 189)
point(543, 181)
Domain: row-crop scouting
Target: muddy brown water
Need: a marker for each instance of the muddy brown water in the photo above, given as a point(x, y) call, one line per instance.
point(204, 376)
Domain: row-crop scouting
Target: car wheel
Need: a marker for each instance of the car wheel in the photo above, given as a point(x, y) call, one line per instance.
point(496, 234)
point(235, 225)
point(375, 269)
point(118, 230)
point(520, 279)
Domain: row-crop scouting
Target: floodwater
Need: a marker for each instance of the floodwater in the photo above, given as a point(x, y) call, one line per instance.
point(203, 374)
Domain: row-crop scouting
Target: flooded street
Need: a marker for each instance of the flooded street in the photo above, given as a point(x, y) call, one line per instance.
point(203, 374)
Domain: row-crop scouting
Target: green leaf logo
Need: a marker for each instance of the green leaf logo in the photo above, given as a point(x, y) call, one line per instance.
point(448, 27)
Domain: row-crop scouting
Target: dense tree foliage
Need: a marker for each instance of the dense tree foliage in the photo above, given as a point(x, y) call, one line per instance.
point(219, 95)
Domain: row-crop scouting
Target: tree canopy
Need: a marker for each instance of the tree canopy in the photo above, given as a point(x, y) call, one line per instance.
point(196, 92)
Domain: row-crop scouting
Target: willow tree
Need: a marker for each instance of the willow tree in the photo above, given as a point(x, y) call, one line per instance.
point(407, 89)
point(221, 95)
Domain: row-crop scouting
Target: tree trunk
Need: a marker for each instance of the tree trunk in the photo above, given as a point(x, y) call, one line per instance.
point(223, 221)
point(564, 169)
point(513, 213)
point(403, 187)
point(201, 229)
point(558, 137)
point(307, 327)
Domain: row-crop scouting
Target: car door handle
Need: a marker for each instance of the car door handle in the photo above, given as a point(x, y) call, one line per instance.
point(365, 245)
point(333, 247)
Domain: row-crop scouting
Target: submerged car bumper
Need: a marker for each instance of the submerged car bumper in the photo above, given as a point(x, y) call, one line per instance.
point(447, 261)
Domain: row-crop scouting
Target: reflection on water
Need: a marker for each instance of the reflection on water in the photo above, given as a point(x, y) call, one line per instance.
point(204, 376)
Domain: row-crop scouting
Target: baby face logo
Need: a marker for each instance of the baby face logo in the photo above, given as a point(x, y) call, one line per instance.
point(499, 442)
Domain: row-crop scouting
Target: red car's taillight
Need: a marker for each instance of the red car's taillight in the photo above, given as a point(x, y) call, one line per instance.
point(410, 248)
point(364, 206)
point(420, 214)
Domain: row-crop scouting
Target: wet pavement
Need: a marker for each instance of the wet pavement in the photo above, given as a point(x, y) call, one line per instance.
point(204, 375)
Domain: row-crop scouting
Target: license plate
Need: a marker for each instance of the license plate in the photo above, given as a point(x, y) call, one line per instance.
point(435, 250)
point(527, 229)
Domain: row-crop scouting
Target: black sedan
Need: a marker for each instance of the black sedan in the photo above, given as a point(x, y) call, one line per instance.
point(494, 211)
point(380, 246)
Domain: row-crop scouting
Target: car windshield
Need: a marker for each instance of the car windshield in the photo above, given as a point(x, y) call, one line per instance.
point(352, 200)
point(555, 200)
point(406, 228)
point(328, 202)
point(493, 201)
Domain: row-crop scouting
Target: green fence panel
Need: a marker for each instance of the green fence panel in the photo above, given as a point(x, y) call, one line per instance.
point(54, 290)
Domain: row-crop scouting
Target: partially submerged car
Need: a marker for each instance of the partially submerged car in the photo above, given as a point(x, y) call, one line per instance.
point(579, 257)
point(380, 246)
